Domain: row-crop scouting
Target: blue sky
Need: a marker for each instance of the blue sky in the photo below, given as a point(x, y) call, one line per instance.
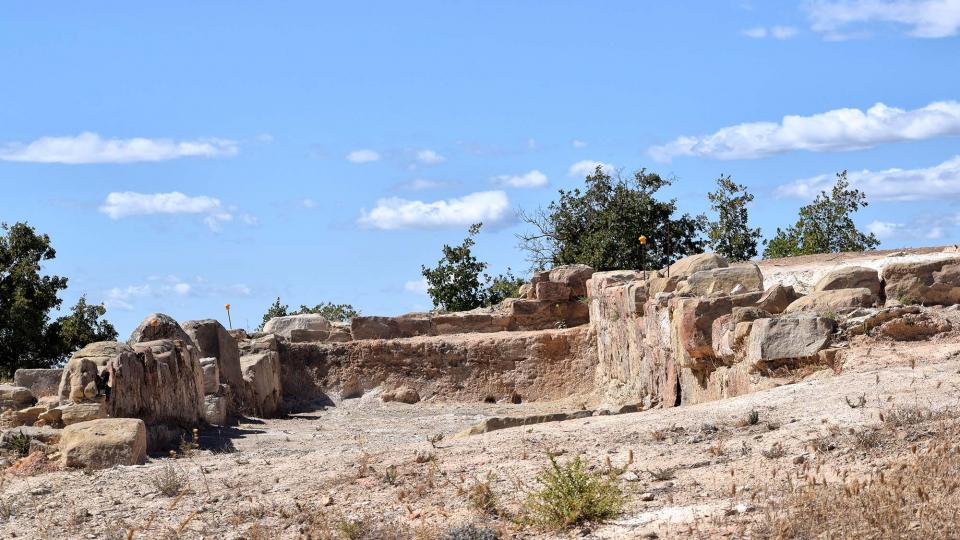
point(187, 154)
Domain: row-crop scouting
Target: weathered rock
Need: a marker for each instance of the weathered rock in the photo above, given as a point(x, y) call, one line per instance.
point(100, 444)
point(730, 331)
point(159, 326)
point(724, 280)
point(101, 352)
point(371, 327)
point(160, 383)
point(911, 327)
point(526, 291)
point(850, 277)
point(261, 371)
point(659, 284)
point(214, 341)
point(339, 332)
point(215, 409)
point(786, 340)
point(695, 325)
point(688, 266)
point(83, 379)
point(777, 298)
point(211, 375)
point(574, 276)
point(923, 282)
point(75, 413)
point(837, 300)
point(403, 394)
point(40, 382)
point(314, 323)
point(30, 415)
point(15, 397)
point(549, 291)
point(51, 417)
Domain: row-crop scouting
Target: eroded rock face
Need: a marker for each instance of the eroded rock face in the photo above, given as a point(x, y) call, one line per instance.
point(15, 397)
point(260, 363)
point(214, 341)
point(161, 383)
point(573, 276)
point(101, 444)
point(838, 300)
point(777, 298)
point(784, 339)
point(158, 326)
point(724, 280)
point(40, 382)
point(923, 282)
point(403, 394)
point(850, 277)
point(701, 262)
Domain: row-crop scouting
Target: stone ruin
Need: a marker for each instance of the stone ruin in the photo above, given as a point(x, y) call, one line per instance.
point(701, 330)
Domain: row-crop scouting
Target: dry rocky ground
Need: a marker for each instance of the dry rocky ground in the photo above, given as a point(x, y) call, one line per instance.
point(368, 469)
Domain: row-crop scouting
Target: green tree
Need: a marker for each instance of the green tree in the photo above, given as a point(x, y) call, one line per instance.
point(454, 284)
point(600, 226)
point(81, 327)
point(26, 297)
point(501, 287)
point(730, 234)
point(276, 309)
point(825, 225)
point(331, 311)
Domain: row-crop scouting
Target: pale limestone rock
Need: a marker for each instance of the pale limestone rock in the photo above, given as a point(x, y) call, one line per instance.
point(316, 326)
point(787, 340)
point(101, 444)
point(833, 300)
point(850, 277)
point(40, 382)
point(15, 397)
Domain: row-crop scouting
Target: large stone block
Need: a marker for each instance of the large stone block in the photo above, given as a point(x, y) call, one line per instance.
point(833, 300)
point(574, 276)
point(41, 382)
point(777, 298)
point(745, 278)
point(700, 262)
point(214, 341)
point(101, 444)
point(850, 277)
point(261, 371)
point(317, 326)
point(787, 340)
point(15, 397)
point(923, 282)
point(549, 291)
point(157, 326)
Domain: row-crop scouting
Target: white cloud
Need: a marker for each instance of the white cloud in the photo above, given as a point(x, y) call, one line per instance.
point(883, 229)
point(587, 167)
point(419, 286)
point(776, 32)
point(89, 147)
point(836, 130)
point(577, 143)
point(165, 287)
point(363, 156)
point(429, 157)
point(396, 213)
point(128, 203)
point(420, 184)
point(937, 182)
point(309, 203)
point(923, 18)
point(531, 179)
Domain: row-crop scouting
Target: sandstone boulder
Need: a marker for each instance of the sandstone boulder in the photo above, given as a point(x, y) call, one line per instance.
point(724, 280)
point(40, 382)
point(914, 326)
point(833, 300)
point(215, 409)
point(373, 327)
point(161, 383)
point(75, 413)
point(850, 277)
point(83, 379)
point(403, 394)
point(786, 340)
point(525, 291)
point(100, 444)
point(261, 371)
point(15, 397)
point(159, 326)
point(923, 282)
point(307, 326)
point(574, 276)
point(688, 266)
point(550, 291)
point(777, 298)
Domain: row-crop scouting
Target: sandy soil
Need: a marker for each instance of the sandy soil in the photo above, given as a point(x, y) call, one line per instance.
point(371, 462)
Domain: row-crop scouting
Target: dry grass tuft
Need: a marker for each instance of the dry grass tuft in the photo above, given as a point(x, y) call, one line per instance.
point(570, 495)
point(169, 481)
point(914, 497)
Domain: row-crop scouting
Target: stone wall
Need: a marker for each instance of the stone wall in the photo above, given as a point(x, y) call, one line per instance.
point(518, 366)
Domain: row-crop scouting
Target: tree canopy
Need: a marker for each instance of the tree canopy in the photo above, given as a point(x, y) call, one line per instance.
point(600, 225)
point(730, 234)
point(825, 225)
point(329, 310)
point(27, 337)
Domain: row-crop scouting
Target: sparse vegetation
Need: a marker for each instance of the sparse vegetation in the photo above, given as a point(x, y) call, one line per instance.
point(169, 481)
point(329, 310)
point(481, 497)
point(730, 234)
point(18, 443)
point(570, 495)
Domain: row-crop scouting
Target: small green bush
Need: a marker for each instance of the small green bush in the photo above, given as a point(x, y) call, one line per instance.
point(570, 495)
point(19, 444)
